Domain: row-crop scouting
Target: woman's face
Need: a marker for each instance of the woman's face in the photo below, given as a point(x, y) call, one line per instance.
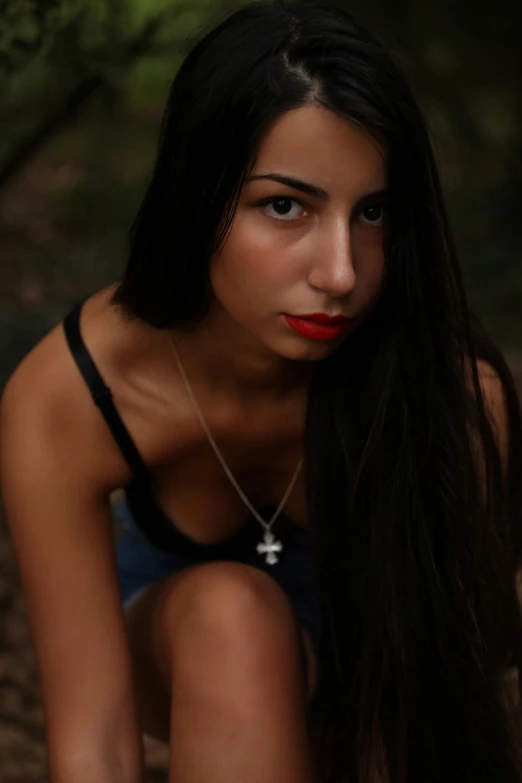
point(314, 245)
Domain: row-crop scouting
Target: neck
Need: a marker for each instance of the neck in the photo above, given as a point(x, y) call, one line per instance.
point(235, 366)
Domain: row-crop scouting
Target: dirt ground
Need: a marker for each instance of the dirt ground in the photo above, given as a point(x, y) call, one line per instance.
point(22, 738)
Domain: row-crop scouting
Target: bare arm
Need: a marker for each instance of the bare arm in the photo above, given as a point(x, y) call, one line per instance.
point(52, 473)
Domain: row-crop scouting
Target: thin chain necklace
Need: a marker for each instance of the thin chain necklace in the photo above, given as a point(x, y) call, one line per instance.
point(269, 546)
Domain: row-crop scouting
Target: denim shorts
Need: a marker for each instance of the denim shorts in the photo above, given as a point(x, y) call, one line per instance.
point(141, 564)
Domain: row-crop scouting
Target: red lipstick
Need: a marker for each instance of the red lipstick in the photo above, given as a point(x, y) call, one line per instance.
point(319, 326)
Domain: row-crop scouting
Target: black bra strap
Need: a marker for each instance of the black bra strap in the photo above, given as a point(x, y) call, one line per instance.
point(101, 393)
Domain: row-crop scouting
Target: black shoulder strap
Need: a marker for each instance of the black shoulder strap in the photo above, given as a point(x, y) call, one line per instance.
point(101, 393)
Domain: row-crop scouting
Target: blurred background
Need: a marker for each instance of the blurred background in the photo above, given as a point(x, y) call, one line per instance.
point(82, 89)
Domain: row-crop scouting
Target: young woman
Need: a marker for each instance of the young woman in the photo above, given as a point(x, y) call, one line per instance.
point(319, 451)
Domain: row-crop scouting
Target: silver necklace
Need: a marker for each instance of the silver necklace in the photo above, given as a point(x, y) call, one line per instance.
point(269, 545)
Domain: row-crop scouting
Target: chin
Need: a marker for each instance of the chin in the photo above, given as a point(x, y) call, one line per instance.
point(309, 351)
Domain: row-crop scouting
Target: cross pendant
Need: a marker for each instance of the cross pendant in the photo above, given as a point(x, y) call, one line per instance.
point(269, 547)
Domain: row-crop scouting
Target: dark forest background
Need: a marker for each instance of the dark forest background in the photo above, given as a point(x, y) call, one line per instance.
point(82, 88)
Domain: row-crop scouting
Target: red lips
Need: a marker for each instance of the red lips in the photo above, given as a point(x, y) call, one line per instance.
point(319, 326)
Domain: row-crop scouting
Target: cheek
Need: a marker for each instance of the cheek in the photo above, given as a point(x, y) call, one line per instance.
point(239, 279)
point(251, 236)
point(369, 262)
point(252, 259)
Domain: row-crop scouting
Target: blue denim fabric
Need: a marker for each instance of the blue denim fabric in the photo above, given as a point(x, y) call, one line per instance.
point(140, 564)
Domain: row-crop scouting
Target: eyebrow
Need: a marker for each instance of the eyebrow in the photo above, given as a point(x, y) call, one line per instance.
point(313, 190)
point(297, 184)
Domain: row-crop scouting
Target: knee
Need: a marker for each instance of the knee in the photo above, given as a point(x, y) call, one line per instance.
point(228, 597)
point(217, 607)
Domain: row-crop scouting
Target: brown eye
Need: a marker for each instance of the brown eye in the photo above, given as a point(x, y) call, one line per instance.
point(284, 207)
point(373, 214)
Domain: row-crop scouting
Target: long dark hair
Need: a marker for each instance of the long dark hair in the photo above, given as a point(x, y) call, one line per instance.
point(414, 524)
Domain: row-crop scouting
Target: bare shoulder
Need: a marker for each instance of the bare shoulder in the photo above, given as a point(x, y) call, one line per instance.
point(47, 401)
point(48, 395)
point(493, 392)
point(495, 405)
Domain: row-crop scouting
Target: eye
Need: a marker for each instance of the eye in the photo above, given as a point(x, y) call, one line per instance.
point(283, 207)
point(373, 214)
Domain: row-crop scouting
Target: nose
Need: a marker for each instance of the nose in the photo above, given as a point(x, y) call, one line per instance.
point(332, 271)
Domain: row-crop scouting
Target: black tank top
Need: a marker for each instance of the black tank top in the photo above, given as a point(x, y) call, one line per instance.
point(148, 515)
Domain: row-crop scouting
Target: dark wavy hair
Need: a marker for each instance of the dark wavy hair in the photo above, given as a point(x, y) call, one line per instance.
point(415, 526)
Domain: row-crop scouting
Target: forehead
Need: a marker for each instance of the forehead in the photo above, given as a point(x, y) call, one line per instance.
point(319, 146)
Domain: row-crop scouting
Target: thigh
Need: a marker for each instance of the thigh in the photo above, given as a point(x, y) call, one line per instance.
point(152, 619)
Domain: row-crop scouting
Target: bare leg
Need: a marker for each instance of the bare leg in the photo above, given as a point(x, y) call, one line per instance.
point(238, 706)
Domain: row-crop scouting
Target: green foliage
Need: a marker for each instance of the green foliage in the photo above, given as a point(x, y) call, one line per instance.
point(28, 28)
point(48, 46)
point(60, 40)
